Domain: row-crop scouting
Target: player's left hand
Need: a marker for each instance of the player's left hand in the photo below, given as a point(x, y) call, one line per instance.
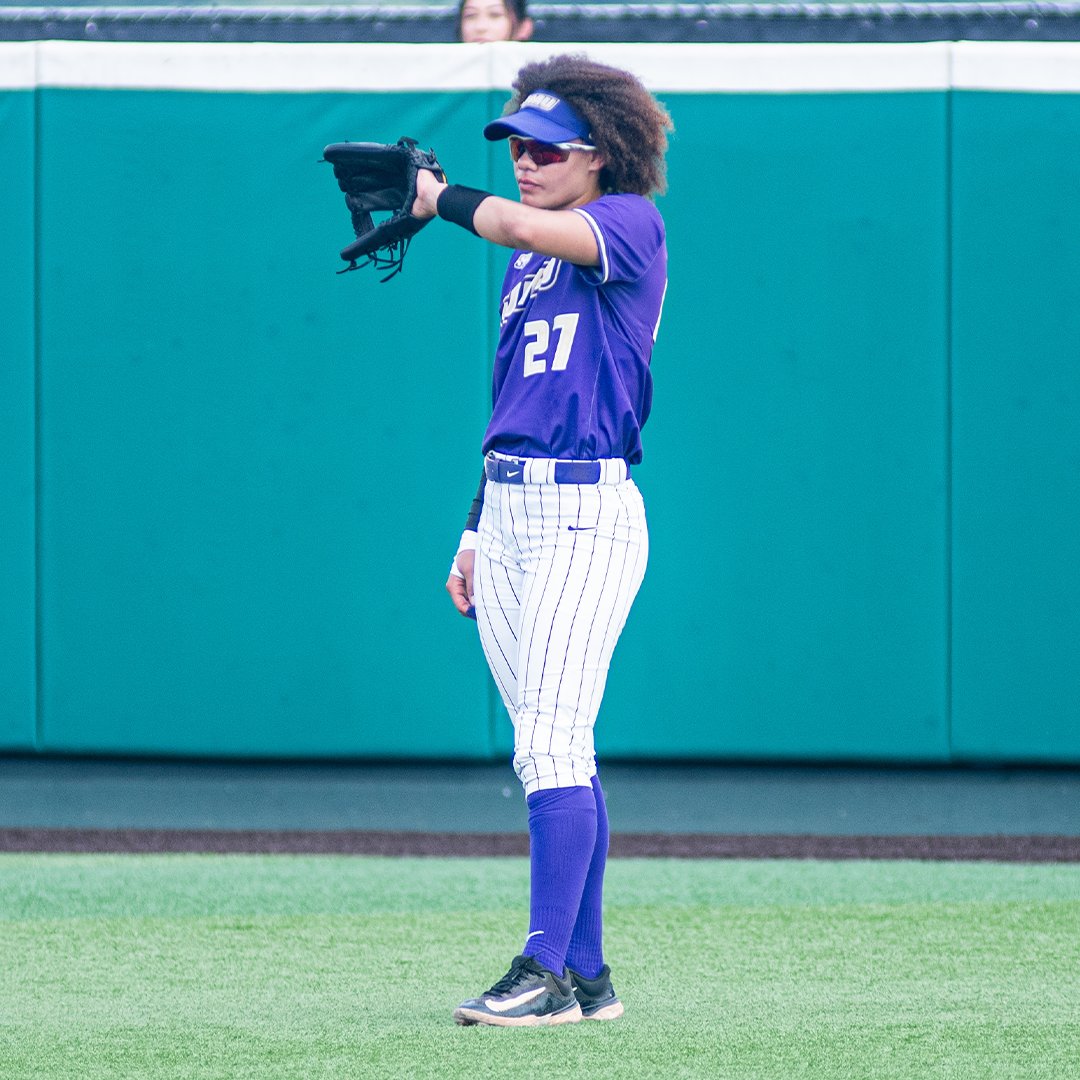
point(461, 589)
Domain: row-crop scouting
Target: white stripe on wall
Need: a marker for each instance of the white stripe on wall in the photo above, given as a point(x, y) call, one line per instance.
point(1038, 67)
point(260, 66)
point(17, 59)
point(685, 68)
point(255, 67)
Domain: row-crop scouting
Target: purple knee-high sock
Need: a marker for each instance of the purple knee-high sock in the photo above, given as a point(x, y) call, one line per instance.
point(562, 839)
point(585, 953)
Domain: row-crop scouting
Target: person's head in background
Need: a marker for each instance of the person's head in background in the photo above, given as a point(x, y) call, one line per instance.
point(493, 20)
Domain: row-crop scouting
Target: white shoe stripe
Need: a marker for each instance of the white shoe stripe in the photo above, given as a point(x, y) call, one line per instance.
point(506, 1004)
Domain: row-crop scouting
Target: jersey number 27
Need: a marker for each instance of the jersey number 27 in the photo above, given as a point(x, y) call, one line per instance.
point(538, 338)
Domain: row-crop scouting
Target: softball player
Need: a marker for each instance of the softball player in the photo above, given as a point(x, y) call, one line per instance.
point(556, 544)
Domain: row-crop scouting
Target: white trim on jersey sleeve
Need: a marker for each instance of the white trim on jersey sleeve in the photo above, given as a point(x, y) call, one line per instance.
point(660, 313)
point(605, 266)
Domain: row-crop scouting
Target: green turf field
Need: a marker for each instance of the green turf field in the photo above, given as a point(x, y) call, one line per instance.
point(238, 967)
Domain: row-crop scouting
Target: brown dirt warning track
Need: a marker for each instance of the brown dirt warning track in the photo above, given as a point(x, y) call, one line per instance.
point(1002, 848)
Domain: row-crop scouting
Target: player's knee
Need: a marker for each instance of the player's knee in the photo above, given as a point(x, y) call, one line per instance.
point(538, 771)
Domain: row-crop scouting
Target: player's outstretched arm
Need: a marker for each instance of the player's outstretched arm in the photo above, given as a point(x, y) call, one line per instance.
point(560, 233)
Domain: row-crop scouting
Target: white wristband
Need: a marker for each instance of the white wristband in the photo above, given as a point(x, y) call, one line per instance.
point(469, 542)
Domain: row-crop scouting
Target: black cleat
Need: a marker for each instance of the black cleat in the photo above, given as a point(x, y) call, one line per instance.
point(596, 996)
point(528, 995)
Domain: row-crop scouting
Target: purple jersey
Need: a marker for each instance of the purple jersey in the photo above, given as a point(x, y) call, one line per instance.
point(572, 376)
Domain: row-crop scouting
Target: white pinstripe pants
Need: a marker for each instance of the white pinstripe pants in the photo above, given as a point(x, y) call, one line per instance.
point(557, 569)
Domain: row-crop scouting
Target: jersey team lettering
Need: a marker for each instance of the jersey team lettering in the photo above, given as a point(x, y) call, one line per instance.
point(545, 275)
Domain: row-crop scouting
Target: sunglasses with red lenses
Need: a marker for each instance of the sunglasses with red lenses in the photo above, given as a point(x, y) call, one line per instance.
point(542, 153)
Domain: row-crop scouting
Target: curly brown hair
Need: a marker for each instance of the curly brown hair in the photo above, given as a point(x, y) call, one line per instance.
point(626, 123)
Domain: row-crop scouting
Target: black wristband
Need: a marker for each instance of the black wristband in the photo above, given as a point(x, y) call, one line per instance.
point(473, 520)
point(458, 204)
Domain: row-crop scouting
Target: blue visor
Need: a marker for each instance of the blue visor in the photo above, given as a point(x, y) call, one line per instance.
point(542, 116)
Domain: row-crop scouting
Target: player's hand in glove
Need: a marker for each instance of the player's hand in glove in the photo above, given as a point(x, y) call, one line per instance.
point(428, 190)
point(377, 177)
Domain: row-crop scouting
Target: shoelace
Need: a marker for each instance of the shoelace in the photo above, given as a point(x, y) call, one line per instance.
point(517, 974)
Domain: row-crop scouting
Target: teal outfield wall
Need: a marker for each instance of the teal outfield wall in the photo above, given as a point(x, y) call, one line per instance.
point(18, 701)
point(1016, 426)
point(796, 474)
point(244, 518)
point(231, 481)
